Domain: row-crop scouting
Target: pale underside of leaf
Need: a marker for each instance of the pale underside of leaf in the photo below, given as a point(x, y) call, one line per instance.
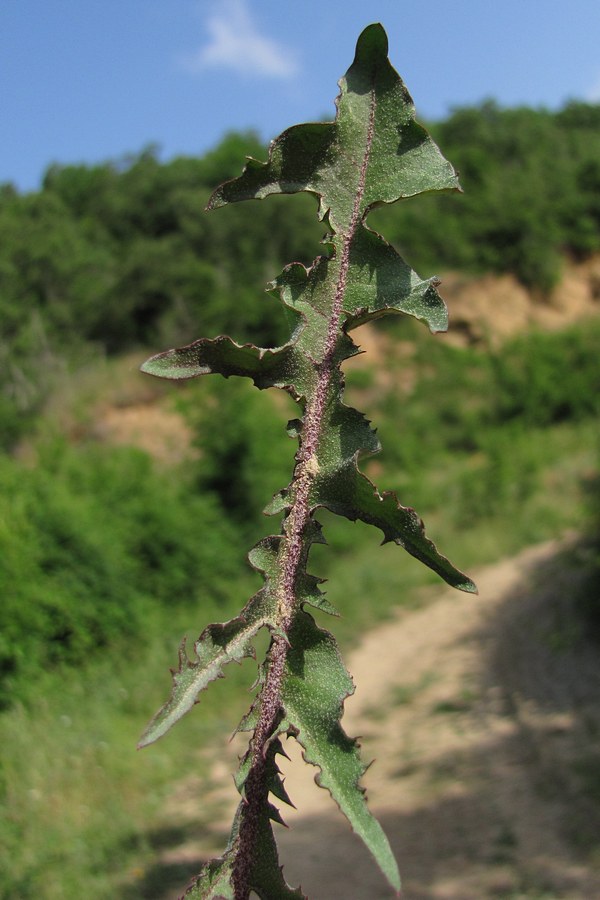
point(216, 646)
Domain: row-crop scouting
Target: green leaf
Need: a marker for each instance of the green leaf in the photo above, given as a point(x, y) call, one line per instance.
point(374, 152)
point(216, 646)
point(217, 880)
point(266, 877)
point(348, 492)
point(314, 688)
point(223, 356)
point(219, 645)
point(374, 112)
point(380, 282)
point(232, 641)
point(274, 782)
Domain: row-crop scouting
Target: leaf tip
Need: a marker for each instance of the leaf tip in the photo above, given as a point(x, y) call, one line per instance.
point(144, 741)
point(373, 39)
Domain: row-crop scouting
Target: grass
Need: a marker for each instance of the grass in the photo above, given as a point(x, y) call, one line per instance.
point(81, 805)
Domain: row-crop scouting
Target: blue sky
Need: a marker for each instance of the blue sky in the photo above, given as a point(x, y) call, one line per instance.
point(89, 80)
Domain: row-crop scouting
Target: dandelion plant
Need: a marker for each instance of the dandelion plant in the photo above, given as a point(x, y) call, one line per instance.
point(373, 153)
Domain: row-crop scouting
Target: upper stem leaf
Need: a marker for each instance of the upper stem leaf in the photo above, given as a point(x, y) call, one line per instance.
point(373, 108)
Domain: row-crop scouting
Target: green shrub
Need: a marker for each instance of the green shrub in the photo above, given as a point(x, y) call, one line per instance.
point(91, 539)
point(244, 451)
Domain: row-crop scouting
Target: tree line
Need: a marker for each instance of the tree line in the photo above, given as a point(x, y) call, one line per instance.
point(120, 254)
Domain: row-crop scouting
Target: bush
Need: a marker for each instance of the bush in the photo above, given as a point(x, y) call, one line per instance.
point(244, 450)
point(90, 540)
point(462, 397)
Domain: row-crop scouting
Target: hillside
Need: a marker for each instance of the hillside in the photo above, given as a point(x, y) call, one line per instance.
point(486, 310)
point(479, 712)
point(494, 308)
point(107, 258)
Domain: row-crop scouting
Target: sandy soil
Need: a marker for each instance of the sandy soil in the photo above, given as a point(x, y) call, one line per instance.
point(161, 432)
point(493, 308)
point(483, 716)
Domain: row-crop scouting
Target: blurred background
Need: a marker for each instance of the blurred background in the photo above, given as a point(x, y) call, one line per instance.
point(127, 505)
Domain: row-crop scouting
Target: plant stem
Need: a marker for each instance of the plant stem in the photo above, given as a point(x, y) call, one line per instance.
point(257, 788)
point(294, 549)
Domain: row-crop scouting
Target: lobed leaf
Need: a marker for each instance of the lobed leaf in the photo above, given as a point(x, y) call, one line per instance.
point(349, 493)
point(273, 778)
point(224, 357)
point(374, 108)
point(232, 641)
point(217, 880)
point(216, 646)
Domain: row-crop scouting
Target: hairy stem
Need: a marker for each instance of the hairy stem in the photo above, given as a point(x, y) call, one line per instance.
point(294, 528)
point(256, 784)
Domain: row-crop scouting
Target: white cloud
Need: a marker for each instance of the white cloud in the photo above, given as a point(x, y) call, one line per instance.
point(235, 43)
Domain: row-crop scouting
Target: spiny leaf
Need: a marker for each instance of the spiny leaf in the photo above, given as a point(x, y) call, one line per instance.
point(216, 646)
point(266, 877)
point(349, 493)
point(219, 645)
point(339, 486)
point(223, 356)
point(219, 877)
point(374, 152)
point(380, 282)
point(232, 641)
point(314, 688)
point(273, 775)
point(214, 881)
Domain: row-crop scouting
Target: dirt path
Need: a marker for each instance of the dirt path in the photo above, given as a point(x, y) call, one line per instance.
point(483, 714)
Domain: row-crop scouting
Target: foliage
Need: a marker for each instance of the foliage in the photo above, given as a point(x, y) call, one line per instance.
point(171, 271)
point(88, 541)
point(243, 451)
point(116, 255)
point(531, 181)
point(65, 835)
point(474, 395)
point(373, 153)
